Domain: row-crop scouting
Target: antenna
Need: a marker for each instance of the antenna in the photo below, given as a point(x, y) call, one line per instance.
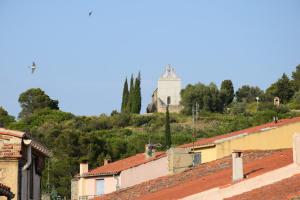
point(195, 108)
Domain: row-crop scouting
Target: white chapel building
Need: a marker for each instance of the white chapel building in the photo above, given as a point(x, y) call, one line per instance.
point(167, 93)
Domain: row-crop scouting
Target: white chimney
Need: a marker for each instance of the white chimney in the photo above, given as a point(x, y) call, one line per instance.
point(84, 168)
point(296, 148)
point(237, 166)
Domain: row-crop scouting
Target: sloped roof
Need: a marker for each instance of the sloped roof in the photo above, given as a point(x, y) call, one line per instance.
point(203, 177)
point(22, 135)
point(14, 133)
point(120, 165)
point(251, 130)
point(285, 189)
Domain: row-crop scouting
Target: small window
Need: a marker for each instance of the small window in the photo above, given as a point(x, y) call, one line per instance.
point(99, 187)
point(197, 159)
point(168, 100)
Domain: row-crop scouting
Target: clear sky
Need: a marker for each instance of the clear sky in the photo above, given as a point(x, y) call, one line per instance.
point(83, 61)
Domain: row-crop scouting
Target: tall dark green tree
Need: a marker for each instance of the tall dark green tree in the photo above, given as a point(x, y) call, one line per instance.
point(296, 78)
point(131, 95)
point(282, 88)
point(125, 97)
point(137, 104)
point(168, 138)
point(35, 99)
point(226, 92)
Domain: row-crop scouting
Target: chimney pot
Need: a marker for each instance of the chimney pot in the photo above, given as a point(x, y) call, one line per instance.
point(237, 166)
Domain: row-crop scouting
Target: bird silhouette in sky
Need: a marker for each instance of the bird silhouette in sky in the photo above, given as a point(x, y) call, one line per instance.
point(33, 67)
point(90, 13)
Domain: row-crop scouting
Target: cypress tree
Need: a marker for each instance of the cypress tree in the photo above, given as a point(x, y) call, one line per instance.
point(137, 104)
point(125, 97)
point(131, 96)
point(168, 129)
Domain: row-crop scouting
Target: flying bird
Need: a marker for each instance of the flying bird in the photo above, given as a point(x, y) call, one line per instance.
point(90, 13)
point(33, 67)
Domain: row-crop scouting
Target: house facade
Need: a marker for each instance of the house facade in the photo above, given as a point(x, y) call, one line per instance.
point(118, 175)
point(264, 137)
point(21, 164)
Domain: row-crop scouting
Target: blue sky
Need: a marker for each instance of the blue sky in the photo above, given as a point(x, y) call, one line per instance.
point(84, 60)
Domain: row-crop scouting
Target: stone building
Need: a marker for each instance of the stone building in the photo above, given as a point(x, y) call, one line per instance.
point(167, 93)
point(21, 164)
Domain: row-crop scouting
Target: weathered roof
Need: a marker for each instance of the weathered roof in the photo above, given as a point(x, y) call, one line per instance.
point(120, 165)
point(22, 135)
point(285, 189)
point(203, 177)
point(14, 133)
point(251, 130)
point(5, 191)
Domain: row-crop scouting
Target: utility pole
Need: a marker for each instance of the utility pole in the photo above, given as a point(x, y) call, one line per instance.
point(195, 113)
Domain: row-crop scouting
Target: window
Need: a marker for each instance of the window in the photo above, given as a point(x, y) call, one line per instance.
point(99, 187)
point(168, 100)
point(197, 159)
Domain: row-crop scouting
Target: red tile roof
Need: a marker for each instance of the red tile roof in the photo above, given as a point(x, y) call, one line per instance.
point(250, 130)
point(14, 133)
point(285, 189)
point(203, 177)
point(120, 165)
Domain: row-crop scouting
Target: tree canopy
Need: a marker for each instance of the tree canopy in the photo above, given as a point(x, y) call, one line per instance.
point(35, 99)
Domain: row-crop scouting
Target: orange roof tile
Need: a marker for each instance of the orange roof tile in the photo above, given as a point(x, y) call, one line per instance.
point(203, 177)
point(14, 133)
point(250, 130)
point(120, 165)
point(285, 189)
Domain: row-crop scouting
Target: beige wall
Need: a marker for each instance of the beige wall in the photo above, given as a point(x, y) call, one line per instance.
point(110, 184)
point(179, 159)
point(277, 138)
point(144, 172)
point(9, 175)
point(207, 154)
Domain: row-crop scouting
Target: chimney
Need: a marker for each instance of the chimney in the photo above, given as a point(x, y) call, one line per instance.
point(237, 166)
point(106, 161)
point(84, 168)
point(296, 148)
point(149, 151)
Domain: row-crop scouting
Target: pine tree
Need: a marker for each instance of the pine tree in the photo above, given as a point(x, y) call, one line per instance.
point(125, 97)
point(168, 129)
point(131, 96)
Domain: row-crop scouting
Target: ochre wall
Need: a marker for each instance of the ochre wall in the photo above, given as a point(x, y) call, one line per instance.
point(207, 154)
point(9, 175)
point(277, 138)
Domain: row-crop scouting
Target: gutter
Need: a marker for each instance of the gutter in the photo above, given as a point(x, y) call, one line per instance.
point(29, 158)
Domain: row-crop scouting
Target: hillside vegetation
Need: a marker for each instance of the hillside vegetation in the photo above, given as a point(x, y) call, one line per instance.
point(73, 139)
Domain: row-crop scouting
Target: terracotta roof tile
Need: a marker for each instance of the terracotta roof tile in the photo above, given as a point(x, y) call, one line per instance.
point(14, 133)
point(285, 189)
point(120, 165)
point(203, 177)
point(250, 130)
